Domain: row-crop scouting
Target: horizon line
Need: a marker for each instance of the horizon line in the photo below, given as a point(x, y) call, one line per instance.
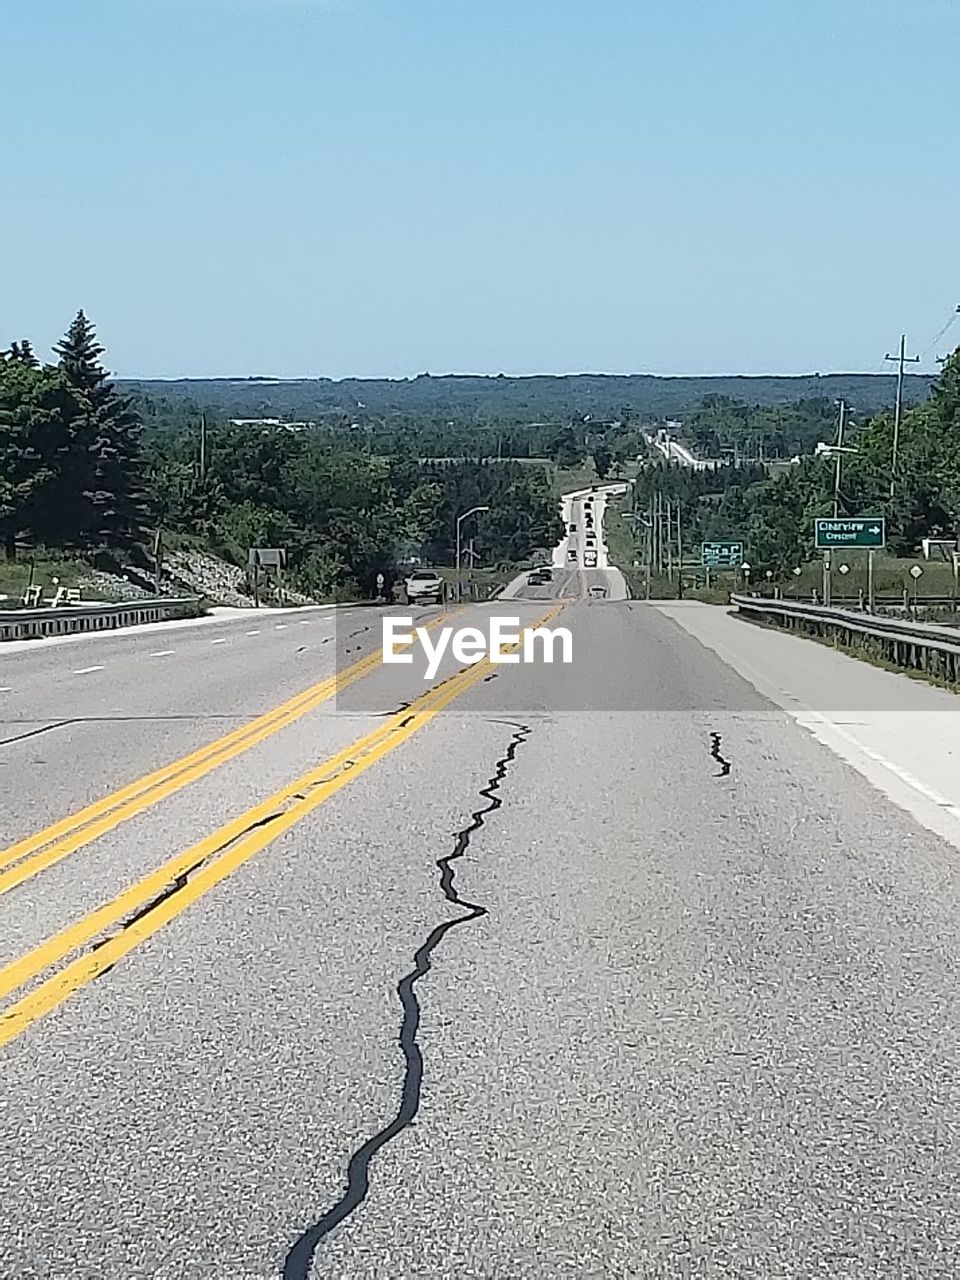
point(493, 377)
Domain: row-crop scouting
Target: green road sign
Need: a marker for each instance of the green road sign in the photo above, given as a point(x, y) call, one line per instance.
point(862, 531)
point(721, 555)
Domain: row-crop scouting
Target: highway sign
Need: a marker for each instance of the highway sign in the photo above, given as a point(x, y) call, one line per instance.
point(861, 531)
point(721, 555)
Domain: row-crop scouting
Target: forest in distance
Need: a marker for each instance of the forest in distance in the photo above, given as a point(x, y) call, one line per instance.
point(503, 398)
point(94, 467)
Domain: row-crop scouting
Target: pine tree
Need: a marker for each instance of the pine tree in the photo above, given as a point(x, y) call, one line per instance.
point(35, 415)
point(109, 435)
point(21, 353)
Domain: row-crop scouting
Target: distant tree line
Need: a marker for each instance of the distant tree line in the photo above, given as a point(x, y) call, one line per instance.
point(773, 510)
point(88, 470)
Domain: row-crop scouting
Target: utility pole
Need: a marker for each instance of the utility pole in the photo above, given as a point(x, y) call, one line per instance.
point(836, 473)
point(649, 547)
point(669, 542)
point(680, 544)
point(679, 552)
point(901, 360)
point(203, 447)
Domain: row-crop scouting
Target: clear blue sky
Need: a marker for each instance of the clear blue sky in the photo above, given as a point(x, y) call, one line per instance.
point(386, 187)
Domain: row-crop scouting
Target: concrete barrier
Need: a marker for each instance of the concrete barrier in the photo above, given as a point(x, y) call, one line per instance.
point(34, 624)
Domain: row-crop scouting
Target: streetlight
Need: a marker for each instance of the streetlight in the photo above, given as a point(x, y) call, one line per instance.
point(460, 519)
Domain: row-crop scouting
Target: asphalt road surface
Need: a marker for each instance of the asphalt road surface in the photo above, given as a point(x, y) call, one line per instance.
point(583, 513)
point(616, 968)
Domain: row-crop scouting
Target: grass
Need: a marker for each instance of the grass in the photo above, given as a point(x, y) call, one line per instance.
point(890, 576)
point(485, 580)
point(15, 576)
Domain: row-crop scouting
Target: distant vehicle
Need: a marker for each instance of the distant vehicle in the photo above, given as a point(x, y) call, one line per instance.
point(547, 572)
point(537, 578)
point(572, 528)
point(590, 558)
point(571, 553)
point(424, 586)
point(598, 592)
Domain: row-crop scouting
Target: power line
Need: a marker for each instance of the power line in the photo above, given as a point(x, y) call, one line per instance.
point(950, 322)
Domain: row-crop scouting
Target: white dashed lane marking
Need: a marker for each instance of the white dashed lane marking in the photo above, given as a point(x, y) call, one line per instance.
point(281, 626)
point(253, 633)
point(162, 653)
point(222, 640)
point(85, 671)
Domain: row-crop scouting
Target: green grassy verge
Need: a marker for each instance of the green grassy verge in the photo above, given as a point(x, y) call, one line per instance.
point(15, 576)
point(890, 576)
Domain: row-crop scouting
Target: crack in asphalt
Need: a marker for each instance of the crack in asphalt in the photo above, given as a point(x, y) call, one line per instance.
point(299, 1259)
point(725, 765)
point(64, 724)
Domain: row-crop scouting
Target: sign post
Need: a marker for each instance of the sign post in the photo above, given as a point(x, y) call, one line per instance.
point(916, 573)
point(265, 558)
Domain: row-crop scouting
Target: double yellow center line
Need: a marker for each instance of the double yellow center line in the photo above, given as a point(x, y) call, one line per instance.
point(141, 910)
point(34, 854)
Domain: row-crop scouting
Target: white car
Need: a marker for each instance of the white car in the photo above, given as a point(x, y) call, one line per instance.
point(424, 587)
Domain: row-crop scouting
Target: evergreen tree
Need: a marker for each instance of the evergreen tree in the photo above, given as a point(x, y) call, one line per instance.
point(21, 353)
point(36, 410)
point(108, 429)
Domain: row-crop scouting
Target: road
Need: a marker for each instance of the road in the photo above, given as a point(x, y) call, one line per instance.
point(674, 451)
point(641, 966)
point(584, 512)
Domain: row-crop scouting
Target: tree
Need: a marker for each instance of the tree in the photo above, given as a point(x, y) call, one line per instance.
point(108, 430)
point(37, 413)
point(602, 461)
point(21, 353)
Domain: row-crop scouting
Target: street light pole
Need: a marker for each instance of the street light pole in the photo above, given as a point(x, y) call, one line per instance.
point(460, 520)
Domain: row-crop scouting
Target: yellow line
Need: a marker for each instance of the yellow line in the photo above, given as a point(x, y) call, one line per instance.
point(30, 856)
point(236, 842)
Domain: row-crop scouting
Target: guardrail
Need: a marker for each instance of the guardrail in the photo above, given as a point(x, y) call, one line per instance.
point(31, 624)
point(916, 646)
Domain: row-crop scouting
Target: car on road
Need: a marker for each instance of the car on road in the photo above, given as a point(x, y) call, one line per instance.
point(572, 528)
point(572, 553)
point(537, 577)
point(598, 592)
point(424, 586)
